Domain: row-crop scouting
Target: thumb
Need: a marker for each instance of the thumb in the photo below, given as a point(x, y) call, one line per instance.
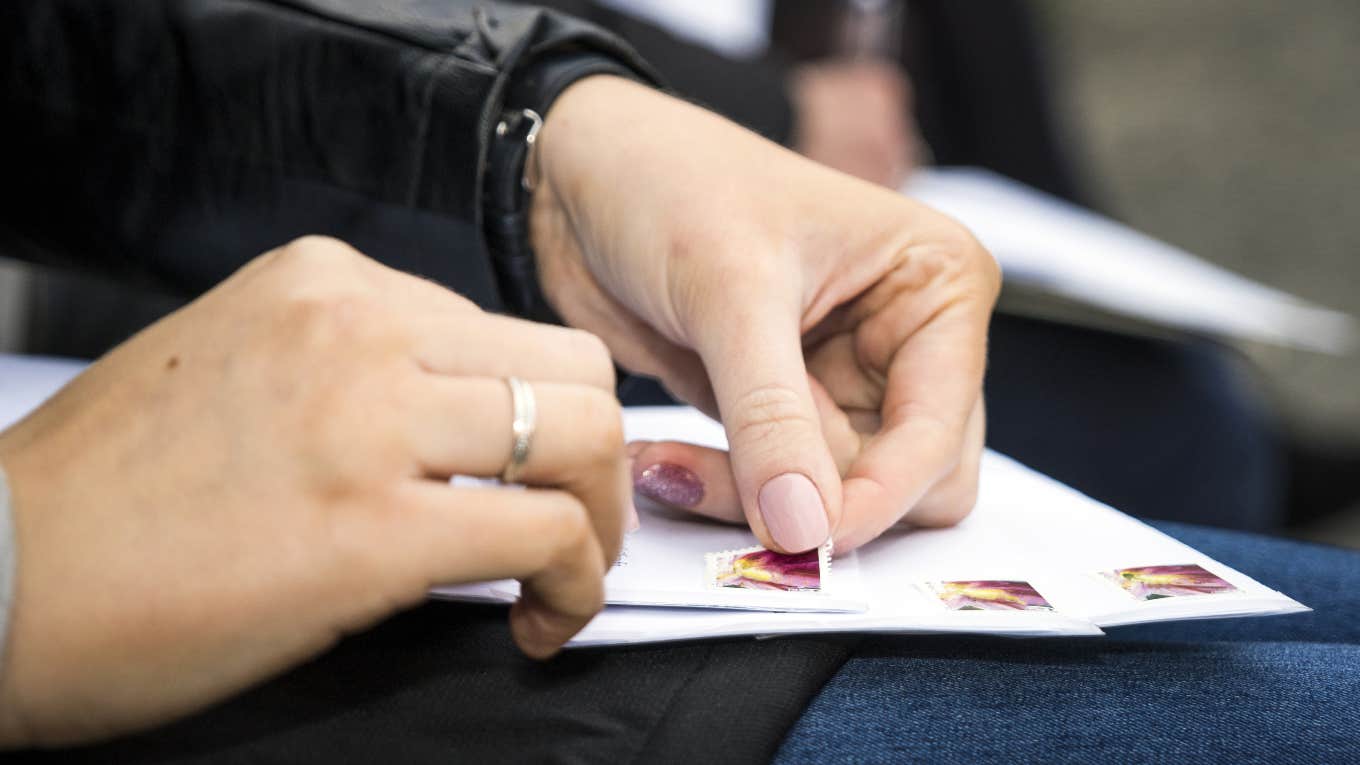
point(786, 478)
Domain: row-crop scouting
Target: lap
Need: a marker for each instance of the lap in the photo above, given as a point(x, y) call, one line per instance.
point(1276, 689)
point(1090, 700)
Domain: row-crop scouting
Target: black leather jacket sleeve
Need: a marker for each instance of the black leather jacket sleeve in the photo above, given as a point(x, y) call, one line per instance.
point(174, 139)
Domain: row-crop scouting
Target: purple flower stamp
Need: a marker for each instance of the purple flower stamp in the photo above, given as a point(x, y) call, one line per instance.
point(755, 568)
point(1157, 582)
point(989, 595)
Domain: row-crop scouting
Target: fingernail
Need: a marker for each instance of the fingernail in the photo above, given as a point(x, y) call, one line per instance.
point(633, 522)
point(793, 512)
point(671, 484)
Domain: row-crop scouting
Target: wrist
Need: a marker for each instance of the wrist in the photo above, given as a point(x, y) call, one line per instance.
point(513, 168)
point(576, 164)
point(580, 129)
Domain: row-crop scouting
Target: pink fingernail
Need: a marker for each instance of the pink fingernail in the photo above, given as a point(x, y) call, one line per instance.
point(793, 511)
point(670, 484)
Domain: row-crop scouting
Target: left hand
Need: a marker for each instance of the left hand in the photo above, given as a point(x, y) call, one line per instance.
point(837, 328)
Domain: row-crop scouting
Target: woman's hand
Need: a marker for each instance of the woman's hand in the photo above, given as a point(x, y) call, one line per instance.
point(837, 328)
point(248, 480)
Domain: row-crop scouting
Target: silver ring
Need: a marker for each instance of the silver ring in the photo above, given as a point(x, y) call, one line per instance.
point(521, 427)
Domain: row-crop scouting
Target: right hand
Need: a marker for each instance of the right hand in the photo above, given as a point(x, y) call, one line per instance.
point(838, 329)
point(237, 487)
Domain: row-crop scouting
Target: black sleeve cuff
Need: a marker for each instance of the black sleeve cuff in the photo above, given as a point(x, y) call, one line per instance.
point(505, 200)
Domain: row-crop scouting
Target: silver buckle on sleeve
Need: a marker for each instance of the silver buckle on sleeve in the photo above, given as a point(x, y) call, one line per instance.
point(513, 122)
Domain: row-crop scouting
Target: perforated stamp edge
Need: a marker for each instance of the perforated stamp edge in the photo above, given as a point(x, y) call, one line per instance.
point(716, 562)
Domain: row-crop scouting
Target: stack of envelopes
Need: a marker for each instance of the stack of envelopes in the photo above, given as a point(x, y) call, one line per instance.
point(1035, 558)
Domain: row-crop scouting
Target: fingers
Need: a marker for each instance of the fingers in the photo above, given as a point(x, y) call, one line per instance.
point(699, 479)
point(934, 382)
point(543, 538)
point(687, 477)
point(785, 475)
point(487, 345)
point(950, 500)
point(462, 426)
point(452, 336)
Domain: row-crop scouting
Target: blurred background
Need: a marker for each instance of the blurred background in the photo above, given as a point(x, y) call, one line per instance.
point(1230, 128)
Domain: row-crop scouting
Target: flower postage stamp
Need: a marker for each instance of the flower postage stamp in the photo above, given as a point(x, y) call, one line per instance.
point(1157, 582)
point(755, 568)
point(989, 595)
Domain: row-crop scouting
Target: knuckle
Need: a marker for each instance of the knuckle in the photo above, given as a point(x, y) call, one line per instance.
point(460, 302)
point(953, 231)
point(767, 412)
point(314, 251)
point(961, 499)
point(326, 314)
point(947, 511)
point(570, 528)
point(944, 431)
point(592, 352)
point(973, 257)
point(314, 263)
point(948, 503)
point(602, 418)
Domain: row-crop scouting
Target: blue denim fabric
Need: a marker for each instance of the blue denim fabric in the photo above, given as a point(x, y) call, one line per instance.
point(1269, 690)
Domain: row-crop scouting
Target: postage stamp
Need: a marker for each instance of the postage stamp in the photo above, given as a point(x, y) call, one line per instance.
point(989, 595)
point(755, 568)
point(1156, 582)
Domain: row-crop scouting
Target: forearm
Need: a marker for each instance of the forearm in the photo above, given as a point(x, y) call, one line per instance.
point(176, 139)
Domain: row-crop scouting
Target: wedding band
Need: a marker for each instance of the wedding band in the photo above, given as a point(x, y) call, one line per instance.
point(521, 427)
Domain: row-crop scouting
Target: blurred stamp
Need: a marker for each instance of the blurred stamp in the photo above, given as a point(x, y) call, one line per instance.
point(1157, 582)
point(989, 595)
point(755, 568)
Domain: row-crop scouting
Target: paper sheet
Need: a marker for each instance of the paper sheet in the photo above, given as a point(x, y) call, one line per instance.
point(1026, 528)
point(1046, 243)
point(26, 381)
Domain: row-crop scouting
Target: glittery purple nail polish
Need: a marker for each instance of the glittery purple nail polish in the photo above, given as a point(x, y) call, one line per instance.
point(670, 484)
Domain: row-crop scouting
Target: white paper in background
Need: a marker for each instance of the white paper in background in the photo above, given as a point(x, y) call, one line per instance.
point(27, 381)
point(1042, 241)
point(735, 28)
